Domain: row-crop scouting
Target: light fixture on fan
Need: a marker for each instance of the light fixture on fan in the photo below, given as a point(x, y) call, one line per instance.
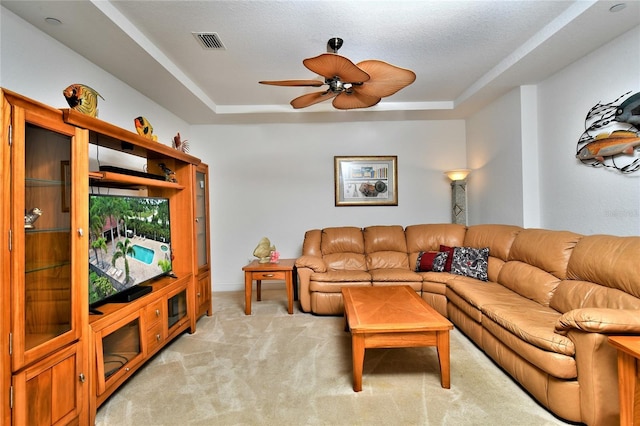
point(350, 86)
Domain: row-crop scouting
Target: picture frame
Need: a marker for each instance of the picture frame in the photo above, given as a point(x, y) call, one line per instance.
point(65, 177)
point(366, 180)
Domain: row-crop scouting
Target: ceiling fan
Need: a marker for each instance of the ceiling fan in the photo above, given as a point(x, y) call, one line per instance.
point(350, 86)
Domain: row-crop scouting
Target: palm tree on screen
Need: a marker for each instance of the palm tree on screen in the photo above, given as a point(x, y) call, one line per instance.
point(123, 249)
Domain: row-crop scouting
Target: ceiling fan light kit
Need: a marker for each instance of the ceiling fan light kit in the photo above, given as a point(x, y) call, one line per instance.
point(351, 86)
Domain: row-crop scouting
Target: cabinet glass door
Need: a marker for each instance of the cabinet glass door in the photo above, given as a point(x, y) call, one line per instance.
point(202, 236)
point(46, 313)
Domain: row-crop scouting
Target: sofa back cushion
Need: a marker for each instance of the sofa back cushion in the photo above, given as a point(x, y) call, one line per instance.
point(603, 272)
point(609, 261)
point(311, 243)
point(429, 237)
point(385, 247)
point(498, 238)
point(537, 262)
point(545, 249)
point(343, 248)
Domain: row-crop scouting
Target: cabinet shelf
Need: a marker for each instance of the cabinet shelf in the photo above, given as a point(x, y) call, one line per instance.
point(120, 180)
point(37, 267)
point(116, 138)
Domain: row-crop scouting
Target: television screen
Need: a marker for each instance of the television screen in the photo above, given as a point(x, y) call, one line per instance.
point(130, 244)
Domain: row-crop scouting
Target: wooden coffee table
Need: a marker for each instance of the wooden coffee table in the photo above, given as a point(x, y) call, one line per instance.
point(393, 317)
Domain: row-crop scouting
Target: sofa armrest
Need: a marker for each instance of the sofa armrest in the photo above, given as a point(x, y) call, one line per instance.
point(600, 320)
point(315, 263)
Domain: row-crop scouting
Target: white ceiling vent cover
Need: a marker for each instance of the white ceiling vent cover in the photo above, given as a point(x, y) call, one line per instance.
point(209, 41)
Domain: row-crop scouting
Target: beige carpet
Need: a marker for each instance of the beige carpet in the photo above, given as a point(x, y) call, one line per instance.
point(272, 368)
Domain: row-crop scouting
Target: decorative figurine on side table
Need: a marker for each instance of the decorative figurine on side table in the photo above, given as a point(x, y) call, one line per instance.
point(263, 250)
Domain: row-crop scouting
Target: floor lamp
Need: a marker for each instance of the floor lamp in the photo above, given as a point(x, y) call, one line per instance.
point(458, 195)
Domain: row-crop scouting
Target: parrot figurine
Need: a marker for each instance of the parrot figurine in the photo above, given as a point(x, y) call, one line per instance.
point(169, 175)
point(144, 128)
point(179, 144)
point(83, 99)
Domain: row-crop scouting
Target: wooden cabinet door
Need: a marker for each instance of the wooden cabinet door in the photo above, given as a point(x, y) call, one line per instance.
point(49, 392)
point(202, 241)
point(49, 246)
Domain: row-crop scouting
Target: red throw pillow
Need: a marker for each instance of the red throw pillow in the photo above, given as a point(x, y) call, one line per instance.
point(431, 261)
point(449, 251)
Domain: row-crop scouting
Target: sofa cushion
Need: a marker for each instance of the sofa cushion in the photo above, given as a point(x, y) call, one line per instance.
point(572, 294)
point(528, 281)
point(544, 249)
point(387, 259)
point(553, 363)
point(345, 262)
point(384, 238)
point(470, 262)
point(431, 261)
point(607, 260)
point(478, 293)
point(498, 238)
point(343, 239)
point(428, 237)
point(395, 275)
point(532, 323)
point(341, 276)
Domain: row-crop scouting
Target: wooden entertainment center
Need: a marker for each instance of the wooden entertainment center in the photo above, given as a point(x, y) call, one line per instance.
point(58, 361)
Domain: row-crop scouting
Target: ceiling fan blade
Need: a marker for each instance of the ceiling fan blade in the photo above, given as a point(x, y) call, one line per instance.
point(354, 100)
point(386, 79)
point(311, 99)
point(313, 83)
point(330, 65)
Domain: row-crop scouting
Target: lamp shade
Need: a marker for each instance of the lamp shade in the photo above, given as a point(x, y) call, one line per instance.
point(457, 174)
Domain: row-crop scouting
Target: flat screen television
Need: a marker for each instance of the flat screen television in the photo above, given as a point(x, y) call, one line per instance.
point(130, 245)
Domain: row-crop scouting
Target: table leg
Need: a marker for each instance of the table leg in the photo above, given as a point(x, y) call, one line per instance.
point(442, 342)
point(259, 290)
point(357, 348)
point(627, 379)
point(289, 284)
point(248, 283)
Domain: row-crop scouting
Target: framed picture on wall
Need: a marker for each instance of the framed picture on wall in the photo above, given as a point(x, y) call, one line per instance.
point(366, 181)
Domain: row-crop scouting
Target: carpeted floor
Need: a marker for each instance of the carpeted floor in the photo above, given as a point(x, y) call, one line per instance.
point(272, 368)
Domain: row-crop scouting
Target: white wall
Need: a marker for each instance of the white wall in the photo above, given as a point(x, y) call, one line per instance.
point(494, 153)
point(575, 196)
point(277, 180)
point(523, 158)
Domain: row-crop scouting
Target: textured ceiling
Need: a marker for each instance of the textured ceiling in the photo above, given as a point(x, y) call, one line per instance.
point(464, 53)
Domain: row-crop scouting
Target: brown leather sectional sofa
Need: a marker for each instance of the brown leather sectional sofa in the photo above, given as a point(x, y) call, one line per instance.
point(544, 314)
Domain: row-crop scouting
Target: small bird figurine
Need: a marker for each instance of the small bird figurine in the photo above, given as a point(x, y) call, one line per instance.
point(82, 98)
point(144, 128)
point(179, 144)
point(169, 175)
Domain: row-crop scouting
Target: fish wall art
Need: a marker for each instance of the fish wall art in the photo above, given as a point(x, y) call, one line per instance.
point(612, 135)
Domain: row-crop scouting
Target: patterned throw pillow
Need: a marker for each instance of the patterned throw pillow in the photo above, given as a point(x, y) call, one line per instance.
point(431, 261)
point(471, 262)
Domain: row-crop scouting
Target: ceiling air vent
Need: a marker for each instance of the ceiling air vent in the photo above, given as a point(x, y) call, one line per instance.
point(209, 41)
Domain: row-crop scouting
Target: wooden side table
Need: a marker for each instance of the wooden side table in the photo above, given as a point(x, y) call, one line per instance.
point(628, 378)
point(283, 270)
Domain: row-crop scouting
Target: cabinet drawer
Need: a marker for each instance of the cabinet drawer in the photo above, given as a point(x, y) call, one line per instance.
point(154, 337)
point(276, 275)
point(154, 313)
